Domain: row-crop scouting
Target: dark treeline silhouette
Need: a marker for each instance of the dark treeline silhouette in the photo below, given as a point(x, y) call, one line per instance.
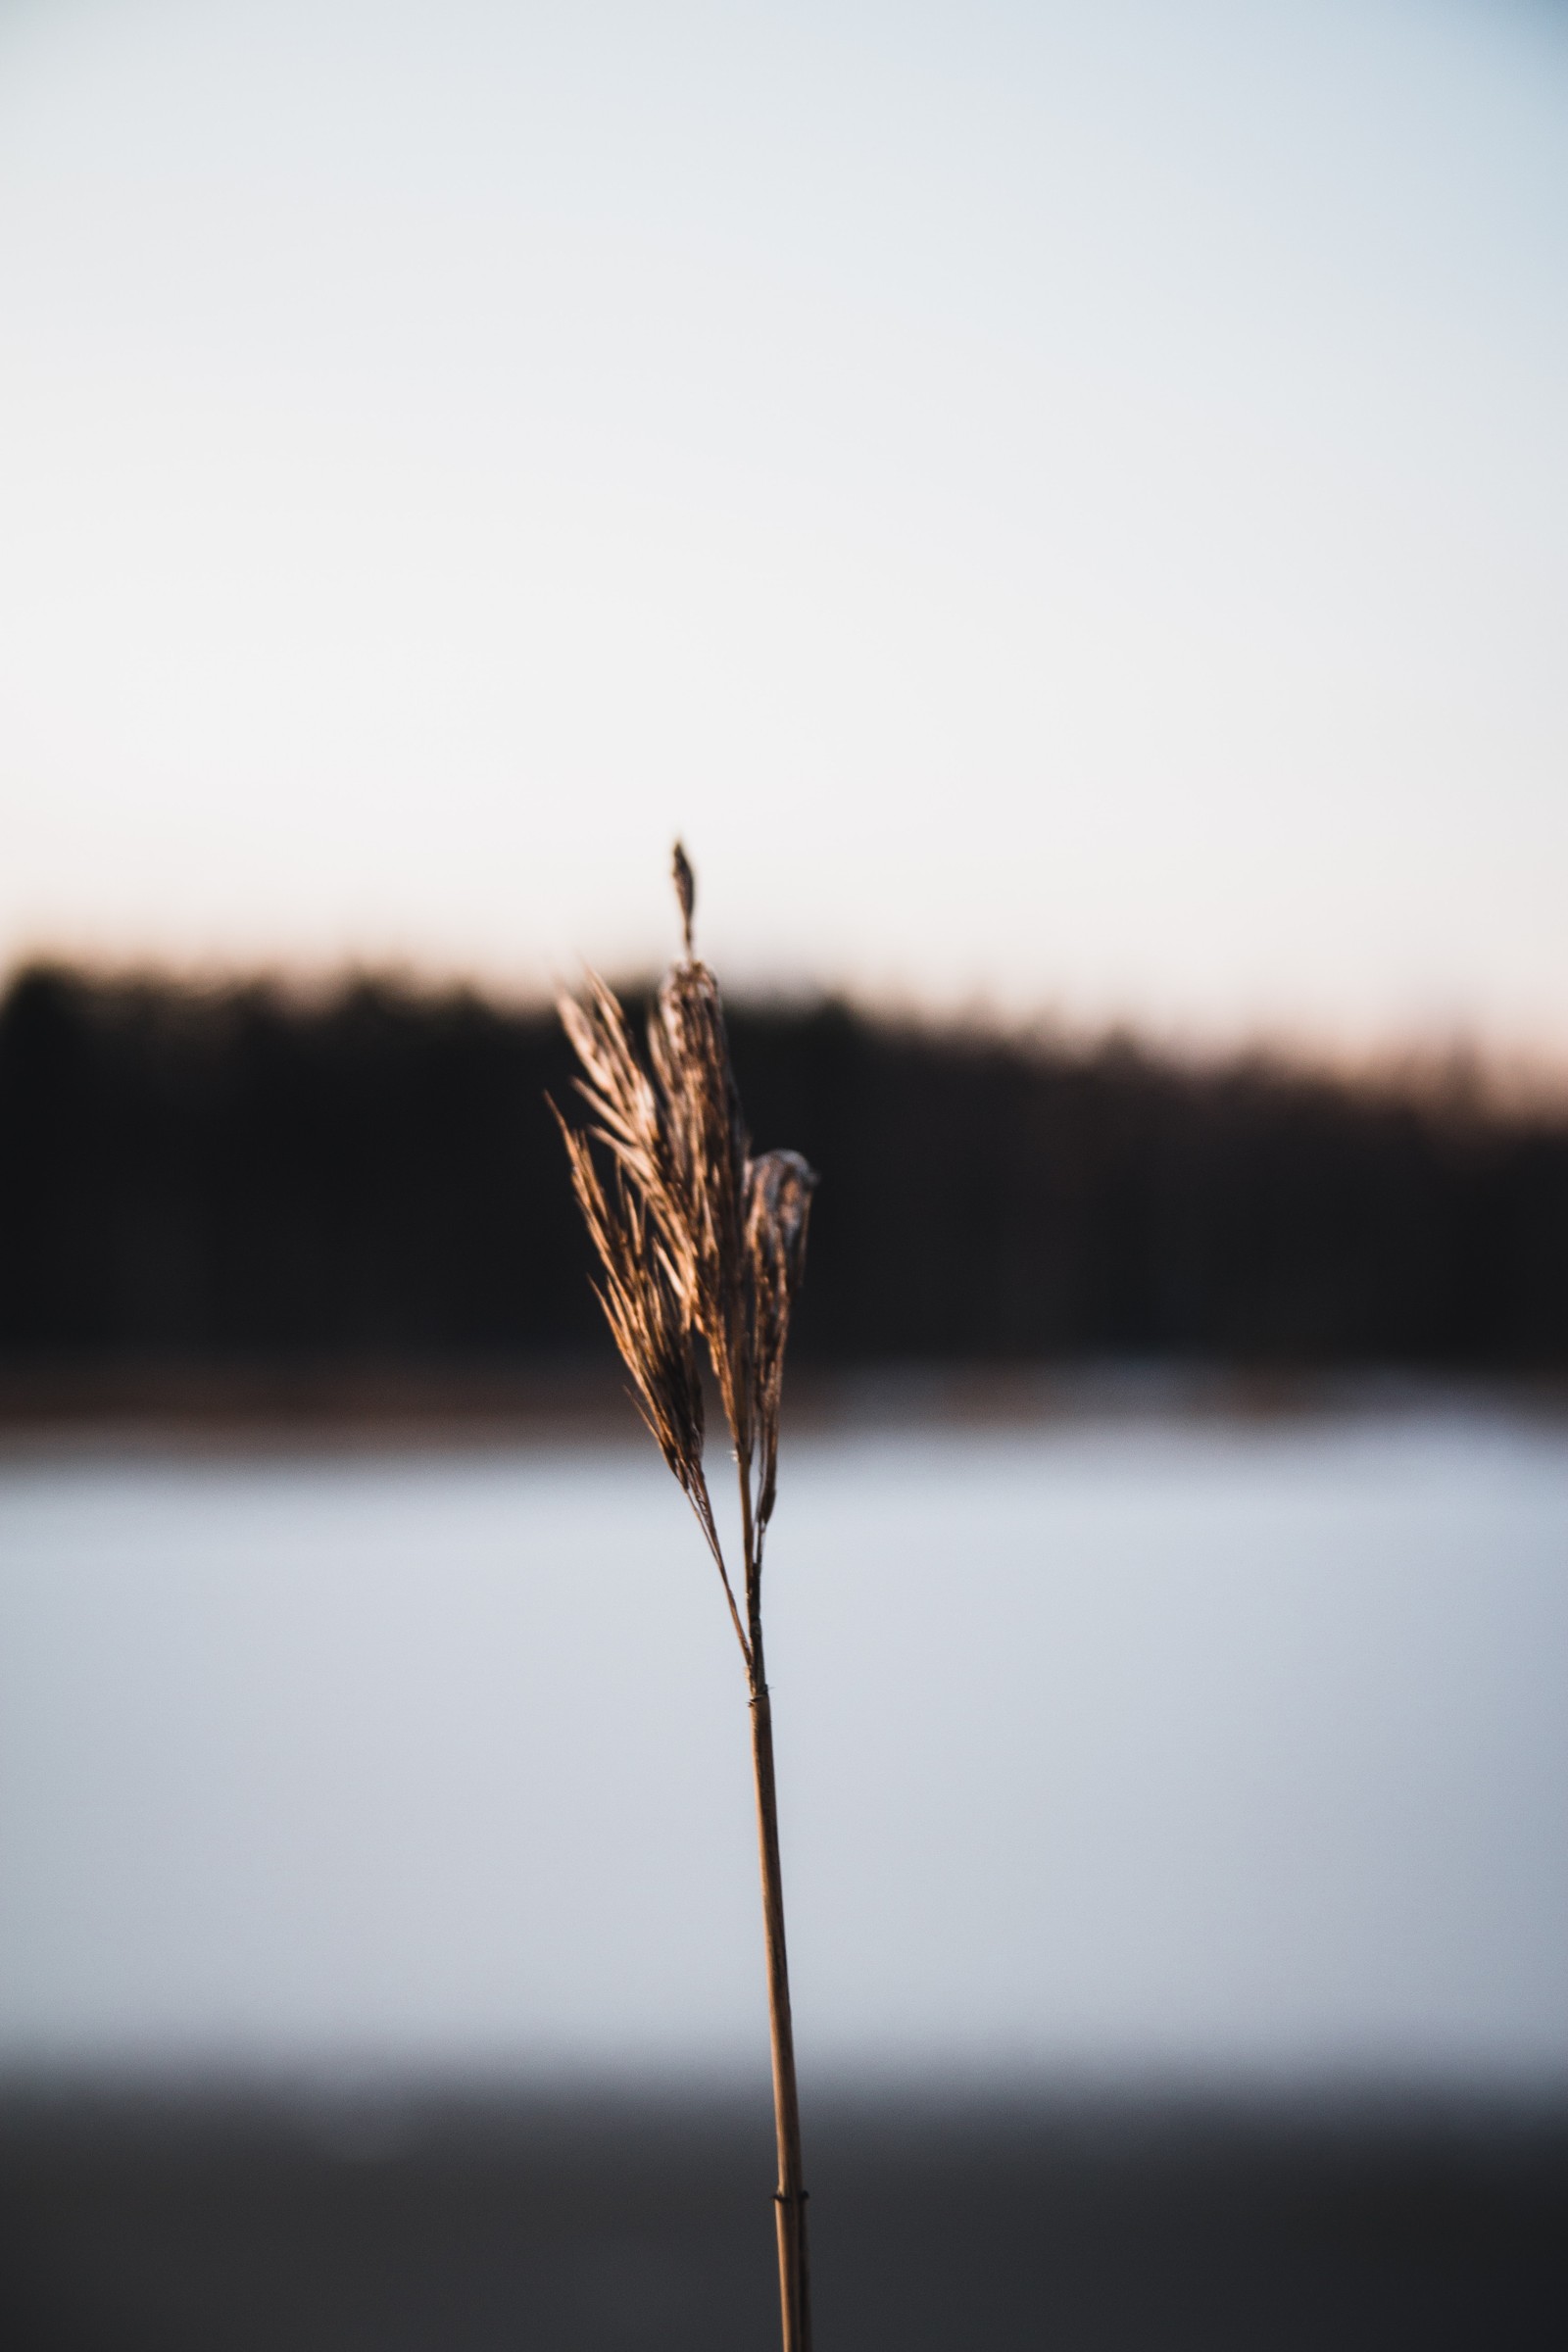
point(240, 1175)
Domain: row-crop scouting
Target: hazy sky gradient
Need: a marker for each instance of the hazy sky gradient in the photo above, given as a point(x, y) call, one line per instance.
point(1064, 508)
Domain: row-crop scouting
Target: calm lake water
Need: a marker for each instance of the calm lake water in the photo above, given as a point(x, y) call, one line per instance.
point(1183, 1748)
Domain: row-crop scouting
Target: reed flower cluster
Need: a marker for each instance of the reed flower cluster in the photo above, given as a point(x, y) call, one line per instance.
point(701, 1250)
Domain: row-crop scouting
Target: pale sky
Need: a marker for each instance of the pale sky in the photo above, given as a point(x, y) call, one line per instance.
point(1066, 509)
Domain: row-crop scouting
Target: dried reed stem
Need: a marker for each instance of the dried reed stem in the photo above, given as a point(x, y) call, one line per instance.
point(699, 1241)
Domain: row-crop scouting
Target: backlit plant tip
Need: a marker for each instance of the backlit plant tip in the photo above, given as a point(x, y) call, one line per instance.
point(701, 1250)
point(685, 891)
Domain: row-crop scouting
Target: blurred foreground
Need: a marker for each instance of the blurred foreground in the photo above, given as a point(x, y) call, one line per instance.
point(462, 2224)
point(1132, 1747)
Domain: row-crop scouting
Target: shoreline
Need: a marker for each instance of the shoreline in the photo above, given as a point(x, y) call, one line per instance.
point(183, 1408)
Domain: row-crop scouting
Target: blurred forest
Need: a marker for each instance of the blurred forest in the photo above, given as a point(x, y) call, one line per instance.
point(242, 1175)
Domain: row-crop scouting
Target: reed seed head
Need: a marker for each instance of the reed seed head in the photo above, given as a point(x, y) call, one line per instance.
point(697, 1240)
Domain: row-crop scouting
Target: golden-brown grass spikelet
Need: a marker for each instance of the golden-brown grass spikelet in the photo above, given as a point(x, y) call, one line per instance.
point(645, 1307)
point(707, 1154)
point(778, 1203)
point(685, 893)
point(632, 1124)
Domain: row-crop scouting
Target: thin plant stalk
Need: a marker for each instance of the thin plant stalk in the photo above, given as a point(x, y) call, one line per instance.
point(789, 2196)
point(703, 1245)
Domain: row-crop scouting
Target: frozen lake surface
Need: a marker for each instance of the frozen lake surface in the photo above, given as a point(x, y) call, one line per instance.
point(1189, 1747)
